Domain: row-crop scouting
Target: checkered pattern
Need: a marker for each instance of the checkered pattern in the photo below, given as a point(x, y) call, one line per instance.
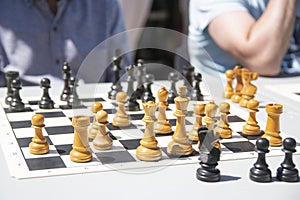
point(59, 134)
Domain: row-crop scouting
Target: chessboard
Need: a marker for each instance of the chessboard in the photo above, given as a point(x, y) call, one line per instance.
point(288, 90)
point(17, 133)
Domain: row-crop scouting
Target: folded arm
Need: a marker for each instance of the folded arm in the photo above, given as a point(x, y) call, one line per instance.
point(259, 44)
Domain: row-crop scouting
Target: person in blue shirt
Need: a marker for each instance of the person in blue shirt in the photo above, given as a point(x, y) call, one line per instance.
point(262, 35)
point(37, 36)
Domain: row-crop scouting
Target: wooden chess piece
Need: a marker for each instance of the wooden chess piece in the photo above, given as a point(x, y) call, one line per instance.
point(251, 128)
point(236, 97)
point(148, 150)
point(16, 104)
point(116, 68)
point(173, 78)
point(121, 119)
point(102, 140)
point(210, 119)
point(272, 131)
point(198, 114)
point(10, 76)
point(223, 130)
point(228, 91)
point(46, 101)
point(260, 171)
point(66, 71)
point(94, 129)
point(248, 91)
point(162, 125)
point(287, 171)
point(38, 144)
point(180, 144)
point(140, 90)
point(80, 152)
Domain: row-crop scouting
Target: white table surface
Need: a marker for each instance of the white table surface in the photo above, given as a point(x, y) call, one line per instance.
point(173, 182)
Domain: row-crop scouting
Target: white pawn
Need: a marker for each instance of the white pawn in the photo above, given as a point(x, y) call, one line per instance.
point(121, 119)
point(102, 140)
point(93, 129)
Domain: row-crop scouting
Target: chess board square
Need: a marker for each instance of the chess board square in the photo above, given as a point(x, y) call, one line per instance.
point(130, 144)
point(45, 163)
point(57, 121)
point(59, 130)
point(59, 139)
point(114, 157)
point(110, 110)
point(241, 146)
point(69, 163)
point(52, 114)
point(51, 153)
point(26, 132)
point(23, 116)
point(235, 118)
point(249, 137)
point(66, 107)
point(33, 102)
point(112, 127)
point(117, 146)
point(194, 153)
point(64, 149)
point(27, 109)
point(136, 116)
point(173, 122)
point(97, 99)
point(24, 142)
point(20, 124)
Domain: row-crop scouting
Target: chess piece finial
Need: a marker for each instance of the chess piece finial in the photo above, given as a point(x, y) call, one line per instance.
point(251, 128)
point(228, 91)
point(223, 130)
point(236, 97)
point(260, 171)
point(287, 171)
point(162, 125)
point(38, 144)
point(198, 114)
point(121, 119)
point(272, 131)
point(180, 144)
point(102, 140)
point(248, 91)
point(80, 152)
point(148, 149)
point(94, 129)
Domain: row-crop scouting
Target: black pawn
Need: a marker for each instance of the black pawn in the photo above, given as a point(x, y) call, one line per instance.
point(16, 104)
point(209, 156)
point(140, 90)
point(9, 76)
point(188, 73)
point(148, 95)
point(196, 95)
point(287, 171)
point(66, 71)
point(46, 102)
point(173, 78)
point(73, 100)
point(133, 105)
point(116, 86)
point(260, 172)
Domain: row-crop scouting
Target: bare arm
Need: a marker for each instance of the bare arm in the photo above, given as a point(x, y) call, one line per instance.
point(259, 45)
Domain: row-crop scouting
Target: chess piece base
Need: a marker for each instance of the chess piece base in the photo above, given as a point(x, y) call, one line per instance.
point(243, 102)
point(80, 157)
point(274, 141)
point(251, 130)
point(193, 135)
point(224, 133)
point(121, 122)
point(92, 133)
point(287, 175)
point(261, 176)
point(227, 94)
point(146, 154)
point(38, 148)
point(133, 106)
point(102, 146)
point(102, 142)
point(178, 149)
point(208, 175)
point(46, 105)
point(17, 108)
point(163, 127)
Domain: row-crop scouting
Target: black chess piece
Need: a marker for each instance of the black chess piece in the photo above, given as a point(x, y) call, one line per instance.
point(287, 171)
point(46, 101)
point(173, 78)
point(260, 172)
point(73, 100)
point(188, 73)
point(116, 86)
point(16, 104)
point(66, 71)
point(9, 76)
point(133, 105)
point(196, 94)
point(140, 90)
point(148, 95)
point(209, 156)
